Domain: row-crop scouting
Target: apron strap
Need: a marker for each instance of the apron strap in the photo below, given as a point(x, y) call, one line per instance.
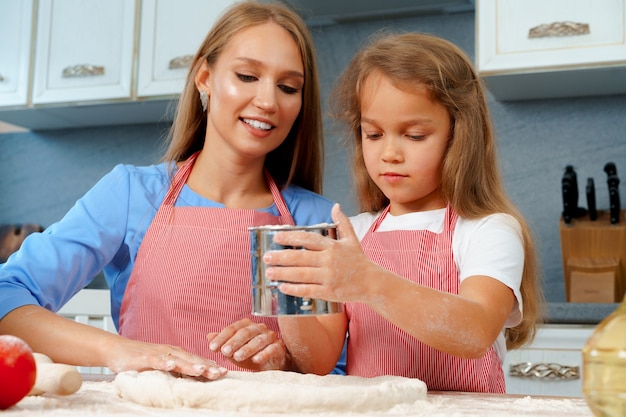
point(180, 178)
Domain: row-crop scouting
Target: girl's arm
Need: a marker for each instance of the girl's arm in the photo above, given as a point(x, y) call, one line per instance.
point(314, 343)
point(464, 325)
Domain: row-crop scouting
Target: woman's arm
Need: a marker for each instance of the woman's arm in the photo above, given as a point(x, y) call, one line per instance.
point(50, 267)
point(66, 341)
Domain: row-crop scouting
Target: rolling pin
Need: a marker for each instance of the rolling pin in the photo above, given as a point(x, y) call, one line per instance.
point(55, 378)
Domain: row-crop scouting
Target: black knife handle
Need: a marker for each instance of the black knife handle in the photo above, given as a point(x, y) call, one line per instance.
point(591, 199)
point(569, 190)
point(613, 182)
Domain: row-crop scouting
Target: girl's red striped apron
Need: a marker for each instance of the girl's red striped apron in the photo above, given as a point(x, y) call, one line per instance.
point(378, 347)
point(192, 275)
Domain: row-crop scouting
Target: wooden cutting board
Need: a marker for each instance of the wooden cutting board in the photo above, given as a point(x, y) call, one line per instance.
point(12, 236)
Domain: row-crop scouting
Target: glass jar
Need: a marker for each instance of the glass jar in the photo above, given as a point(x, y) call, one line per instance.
point(604, 366)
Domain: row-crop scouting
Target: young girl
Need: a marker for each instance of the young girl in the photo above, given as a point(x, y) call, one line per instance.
point(172, 239)
point(444, 279)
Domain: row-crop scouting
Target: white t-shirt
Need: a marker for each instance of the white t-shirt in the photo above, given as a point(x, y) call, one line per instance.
point(490, 246)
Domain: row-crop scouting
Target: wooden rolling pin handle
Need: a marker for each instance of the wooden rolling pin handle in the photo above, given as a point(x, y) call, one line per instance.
point(55, 378)
point(41, 358)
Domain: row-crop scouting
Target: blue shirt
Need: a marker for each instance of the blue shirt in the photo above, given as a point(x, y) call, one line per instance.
point(102, 232)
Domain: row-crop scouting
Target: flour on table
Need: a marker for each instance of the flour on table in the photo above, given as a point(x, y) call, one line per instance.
point(274, 392)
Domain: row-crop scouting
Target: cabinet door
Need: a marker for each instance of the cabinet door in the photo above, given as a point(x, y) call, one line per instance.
point(535, 34)
point(15, 39)
point(171, 32)
point(84, 50)
point(557, 48)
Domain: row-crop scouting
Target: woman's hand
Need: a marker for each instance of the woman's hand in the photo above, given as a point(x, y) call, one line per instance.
point(251, 345)
point(333, 270)
point(139, 356)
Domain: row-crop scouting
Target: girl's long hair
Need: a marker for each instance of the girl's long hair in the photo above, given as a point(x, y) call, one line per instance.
point(299, 159)
point(471, 181)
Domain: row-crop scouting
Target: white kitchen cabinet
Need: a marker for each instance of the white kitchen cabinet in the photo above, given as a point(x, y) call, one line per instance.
point(551, 364)
point(98, 63)
point(84, 50)
point(15, 48)
point(171, 32)
point(529, 49)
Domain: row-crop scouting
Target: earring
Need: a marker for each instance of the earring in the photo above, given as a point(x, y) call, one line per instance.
point(204, 99)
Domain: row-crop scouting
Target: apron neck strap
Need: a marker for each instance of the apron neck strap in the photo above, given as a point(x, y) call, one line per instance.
point(180, 178)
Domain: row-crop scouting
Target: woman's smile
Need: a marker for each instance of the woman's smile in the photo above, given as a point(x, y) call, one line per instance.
point(257, 124)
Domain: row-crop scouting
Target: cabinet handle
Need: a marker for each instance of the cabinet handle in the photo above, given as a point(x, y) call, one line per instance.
point(183, 61)
point(554, 29)
point(84, 70)
point(544, 371)
point(1, 78)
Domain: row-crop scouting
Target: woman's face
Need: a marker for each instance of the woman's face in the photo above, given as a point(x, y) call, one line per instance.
point(404, 135)
point(255, 92)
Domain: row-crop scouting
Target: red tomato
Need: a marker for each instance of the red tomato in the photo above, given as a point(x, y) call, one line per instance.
point(17, 370)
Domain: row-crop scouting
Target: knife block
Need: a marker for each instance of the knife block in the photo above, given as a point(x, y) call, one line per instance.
point(594, 259)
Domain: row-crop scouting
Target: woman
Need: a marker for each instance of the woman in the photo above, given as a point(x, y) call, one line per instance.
point(245, 149)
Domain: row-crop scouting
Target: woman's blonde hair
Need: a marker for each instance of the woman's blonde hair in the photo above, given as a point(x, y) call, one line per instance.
point(299, 159)
point(471, 180)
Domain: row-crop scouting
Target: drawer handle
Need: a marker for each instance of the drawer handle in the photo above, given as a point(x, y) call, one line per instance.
point(544, 371)
point(555, 29)
point(84, 70)
point(1, 78)
point(183, 61)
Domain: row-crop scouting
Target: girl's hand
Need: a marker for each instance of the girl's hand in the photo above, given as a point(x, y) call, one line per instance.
point(140, 356)
point(251, 345)
point(332, 270)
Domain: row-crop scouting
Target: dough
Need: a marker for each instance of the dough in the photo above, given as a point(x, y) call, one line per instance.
point(273, 392)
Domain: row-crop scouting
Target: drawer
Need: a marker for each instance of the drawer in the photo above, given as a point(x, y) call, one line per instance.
point(551, 365)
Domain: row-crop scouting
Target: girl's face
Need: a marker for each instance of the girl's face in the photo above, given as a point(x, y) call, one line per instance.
point(404, 136)
point(255, 92)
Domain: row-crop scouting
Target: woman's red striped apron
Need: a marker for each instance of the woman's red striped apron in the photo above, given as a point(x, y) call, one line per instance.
point(193, 273)
point(378, 347)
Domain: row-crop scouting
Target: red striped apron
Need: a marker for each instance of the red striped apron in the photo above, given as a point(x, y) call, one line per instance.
point(193, 272)
point(378, 347)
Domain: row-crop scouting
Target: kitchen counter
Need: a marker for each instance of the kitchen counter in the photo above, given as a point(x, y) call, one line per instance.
point(98, 397)
point(579, 313)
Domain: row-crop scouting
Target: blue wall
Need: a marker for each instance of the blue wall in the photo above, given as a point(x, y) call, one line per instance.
point(43, 173)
